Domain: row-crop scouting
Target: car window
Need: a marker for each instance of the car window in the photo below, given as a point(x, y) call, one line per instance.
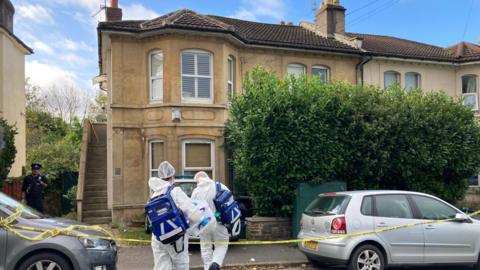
point(367, 205)
point(327, 205)
point(392, 206)
point(433, 209)
point(187, 187)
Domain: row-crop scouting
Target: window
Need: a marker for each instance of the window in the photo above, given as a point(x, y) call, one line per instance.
point(327, 205)
point(199, 155)
point(155, 64)
point(412, 81)
point(390, 78)
point(469, 91)
point(367, 206)
point(392, 206)
point(474, 181)
point(433, 209)
point(197, 72)
point(156, 156)
point(296, 70)
point(230, 78)
point(322, 72)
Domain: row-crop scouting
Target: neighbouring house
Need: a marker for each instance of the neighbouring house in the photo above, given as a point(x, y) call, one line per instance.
point(169, 81)
point(12, 82)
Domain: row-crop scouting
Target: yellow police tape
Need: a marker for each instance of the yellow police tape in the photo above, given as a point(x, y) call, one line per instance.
point(6, 223)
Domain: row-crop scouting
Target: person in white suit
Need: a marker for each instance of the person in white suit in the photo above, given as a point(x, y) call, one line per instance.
point(165, 256)
point(212, 255)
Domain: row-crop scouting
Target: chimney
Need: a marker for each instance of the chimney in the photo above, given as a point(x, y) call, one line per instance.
point(331, 18)
point(113, 13)
point(6, 14)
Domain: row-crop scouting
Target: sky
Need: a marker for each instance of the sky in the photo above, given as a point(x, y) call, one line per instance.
point(63, 32)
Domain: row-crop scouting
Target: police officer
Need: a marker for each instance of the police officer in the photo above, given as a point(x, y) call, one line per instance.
point(33, 186)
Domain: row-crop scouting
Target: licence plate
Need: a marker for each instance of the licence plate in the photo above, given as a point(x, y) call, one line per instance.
point(313, 245)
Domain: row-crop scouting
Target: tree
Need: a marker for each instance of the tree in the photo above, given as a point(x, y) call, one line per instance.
point(8, 150)
point(285, 132)
point(98, 108)
point(66, 102)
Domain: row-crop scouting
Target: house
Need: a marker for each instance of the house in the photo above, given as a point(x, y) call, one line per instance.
point(169, 81)
point(12, 82)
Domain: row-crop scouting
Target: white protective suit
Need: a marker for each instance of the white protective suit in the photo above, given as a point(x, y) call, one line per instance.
point(206, 190)
point(165, 257)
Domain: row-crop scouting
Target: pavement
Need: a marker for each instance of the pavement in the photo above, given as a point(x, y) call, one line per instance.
point(257, 257)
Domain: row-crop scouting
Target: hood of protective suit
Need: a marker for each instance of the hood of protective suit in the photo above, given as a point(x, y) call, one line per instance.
point(157, 186)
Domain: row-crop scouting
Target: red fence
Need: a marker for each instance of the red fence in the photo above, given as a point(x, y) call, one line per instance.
point(13, 188)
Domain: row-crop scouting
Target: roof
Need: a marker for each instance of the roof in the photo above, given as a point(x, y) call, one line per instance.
point(16, 39)
point(297, 37)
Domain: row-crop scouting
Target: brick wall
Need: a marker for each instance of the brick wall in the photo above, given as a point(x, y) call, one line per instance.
point(268, 228)
point(471, 200)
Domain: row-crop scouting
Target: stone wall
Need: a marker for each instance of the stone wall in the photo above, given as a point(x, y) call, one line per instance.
point(269, 228)
point(471, 200)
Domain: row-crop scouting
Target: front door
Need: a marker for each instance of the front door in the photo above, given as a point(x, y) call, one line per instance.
point(445, 242)
point(405, 244)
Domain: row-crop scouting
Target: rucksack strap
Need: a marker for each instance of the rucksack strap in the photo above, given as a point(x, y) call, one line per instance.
point(170, 188)
point(218, 186)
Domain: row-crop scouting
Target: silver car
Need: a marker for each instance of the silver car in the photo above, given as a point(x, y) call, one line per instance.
point(332, 214)
point(55, 253)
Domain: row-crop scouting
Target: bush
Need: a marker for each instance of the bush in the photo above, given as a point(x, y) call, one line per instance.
point(284, 132)
point(8, 151)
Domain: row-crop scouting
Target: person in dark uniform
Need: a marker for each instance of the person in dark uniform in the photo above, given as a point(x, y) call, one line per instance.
point(33, 186)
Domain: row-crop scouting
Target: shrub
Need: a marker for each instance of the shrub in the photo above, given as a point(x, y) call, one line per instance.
point(284, 132)
point(8, 150)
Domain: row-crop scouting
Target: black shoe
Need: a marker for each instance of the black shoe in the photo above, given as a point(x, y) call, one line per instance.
point(214, 266)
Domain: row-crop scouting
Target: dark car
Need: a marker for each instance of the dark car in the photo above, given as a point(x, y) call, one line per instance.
point(54, 253)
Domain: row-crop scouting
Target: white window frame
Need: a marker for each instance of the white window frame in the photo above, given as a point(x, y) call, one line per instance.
point(399, 79)
point(475, 108)
point(418, 77)
point(150, 158)
point(230, 81)
point(212, 156)
point(478, 182)
point(296, 65)
point(324, 68)
point(151, 78)
point(196, 99)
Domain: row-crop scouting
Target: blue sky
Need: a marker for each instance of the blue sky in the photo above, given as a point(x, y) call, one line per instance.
point(63, 32)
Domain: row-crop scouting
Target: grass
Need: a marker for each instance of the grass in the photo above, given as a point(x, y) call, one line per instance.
point(126, 232)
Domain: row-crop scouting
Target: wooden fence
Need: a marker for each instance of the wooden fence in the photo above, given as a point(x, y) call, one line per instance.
point(13, 188)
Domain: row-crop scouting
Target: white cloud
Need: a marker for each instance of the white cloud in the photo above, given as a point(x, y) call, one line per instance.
point(42, 47)
point(138, 12)
point(90, 5)
point(269, 9)
point(47, 75)
point(36, 13)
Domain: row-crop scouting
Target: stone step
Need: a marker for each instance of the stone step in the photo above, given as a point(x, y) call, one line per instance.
point(95, 200)
point(96, 170)
point(95, 187)
point(97, 213)
point(95, 193)
point(95, 206)
point(97, 220)
point(95, 181)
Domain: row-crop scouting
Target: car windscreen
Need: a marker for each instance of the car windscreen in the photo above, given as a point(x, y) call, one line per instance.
point(327, 205)
point(8, 204)
point(187, 187)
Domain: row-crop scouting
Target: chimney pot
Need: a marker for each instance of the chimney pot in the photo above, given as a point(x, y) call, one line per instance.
point(114, 3)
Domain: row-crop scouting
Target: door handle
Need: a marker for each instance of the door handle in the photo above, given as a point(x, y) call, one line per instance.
point(382, 225)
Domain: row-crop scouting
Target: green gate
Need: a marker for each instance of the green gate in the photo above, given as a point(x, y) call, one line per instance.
point(306, 193)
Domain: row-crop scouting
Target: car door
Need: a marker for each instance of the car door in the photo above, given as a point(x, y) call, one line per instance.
point(405, 245)
point(445, 242)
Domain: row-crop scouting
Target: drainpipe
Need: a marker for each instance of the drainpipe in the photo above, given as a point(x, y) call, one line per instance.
point(360, 71)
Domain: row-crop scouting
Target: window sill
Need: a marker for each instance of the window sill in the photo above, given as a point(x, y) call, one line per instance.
point(161, 105)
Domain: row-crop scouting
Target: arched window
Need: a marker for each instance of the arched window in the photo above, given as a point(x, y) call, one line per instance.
point(390, 78)
point(197, 76)
point(296, 70)
point(323, 72)
point(469, 91)
point(412, 81)
point(155, 71)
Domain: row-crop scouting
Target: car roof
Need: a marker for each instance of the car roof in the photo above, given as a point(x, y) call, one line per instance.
point(374, 192)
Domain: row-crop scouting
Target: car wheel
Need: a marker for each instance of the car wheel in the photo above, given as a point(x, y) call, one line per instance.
point(42, 261)
point(367, 257)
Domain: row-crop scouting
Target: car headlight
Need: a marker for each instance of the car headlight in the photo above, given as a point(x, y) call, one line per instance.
point(96, 244)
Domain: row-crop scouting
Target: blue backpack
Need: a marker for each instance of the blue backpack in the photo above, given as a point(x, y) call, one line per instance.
point(227, 207)
point(167, 221)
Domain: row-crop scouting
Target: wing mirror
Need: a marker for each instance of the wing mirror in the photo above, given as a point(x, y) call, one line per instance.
point(460, 217)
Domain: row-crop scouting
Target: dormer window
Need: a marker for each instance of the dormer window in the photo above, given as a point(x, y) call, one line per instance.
point(469, 91)
point(155, 64)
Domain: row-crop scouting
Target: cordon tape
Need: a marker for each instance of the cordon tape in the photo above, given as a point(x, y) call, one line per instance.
point(72, 231)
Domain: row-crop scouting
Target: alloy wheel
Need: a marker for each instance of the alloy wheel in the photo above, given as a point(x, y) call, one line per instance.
point(368, 260)
point(44, 265)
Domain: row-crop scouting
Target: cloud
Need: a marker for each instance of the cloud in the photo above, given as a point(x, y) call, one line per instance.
point(42, 47)
point(36, 13)
point(138, 12)
point(268, 9)
point(47, 75)
point(89, 5)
